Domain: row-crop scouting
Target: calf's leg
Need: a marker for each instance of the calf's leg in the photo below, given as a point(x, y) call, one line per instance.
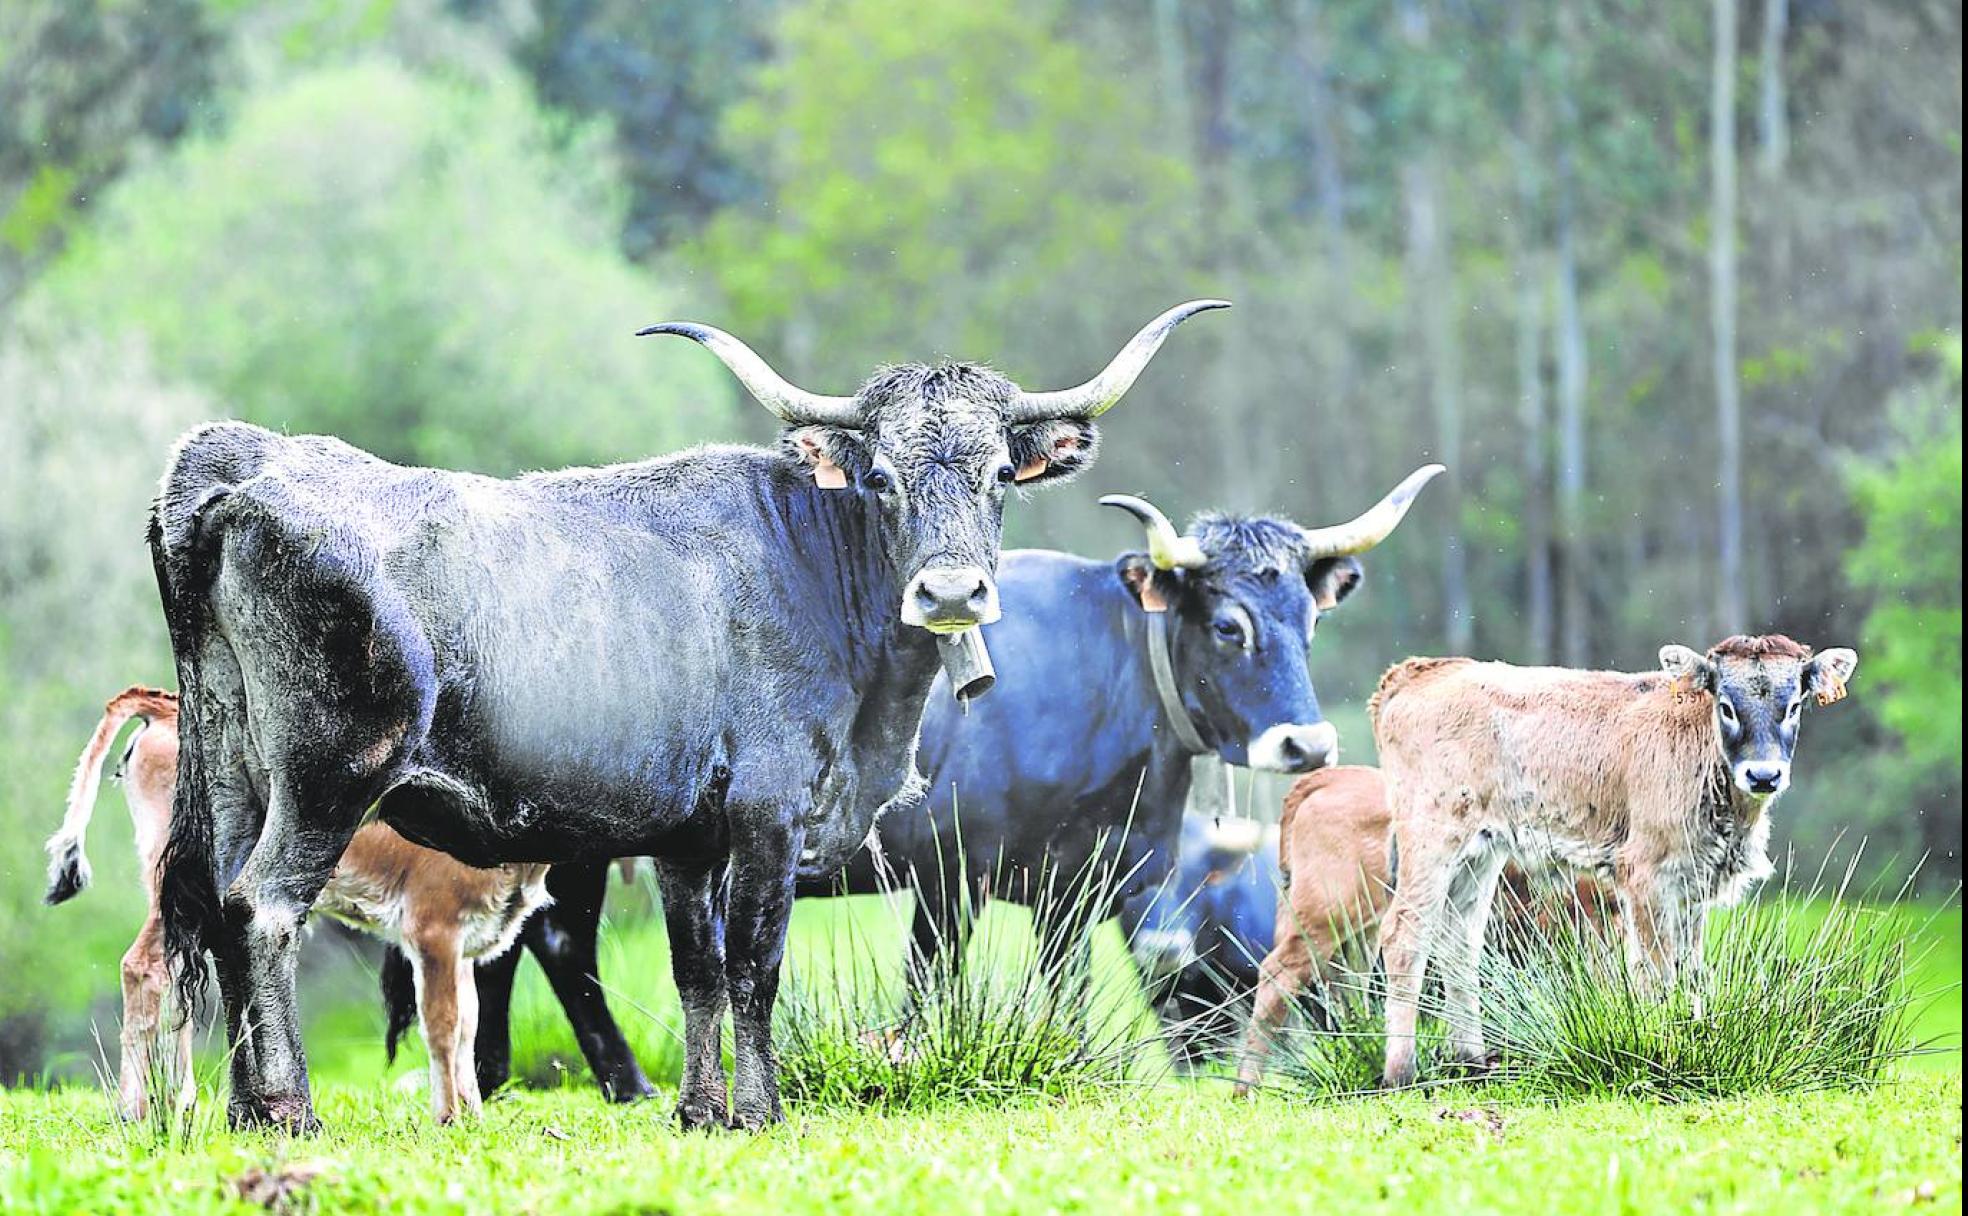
point(440, 968)
point(1284, 973)
point(1472, 890)
point(145, 978)
point(1408, 934)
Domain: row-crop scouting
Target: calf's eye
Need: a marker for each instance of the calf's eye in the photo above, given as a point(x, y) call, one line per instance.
point(1005, 474)
point(878, 481)
point(1727, 711)
point(1228, 630)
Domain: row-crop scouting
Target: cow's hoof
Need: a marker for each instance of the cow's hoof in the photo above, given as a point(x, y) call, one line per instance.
point(700, 1116)
point(292, 1114)
point(757, 1120)
point(1470, 1068)
point(628, 1089)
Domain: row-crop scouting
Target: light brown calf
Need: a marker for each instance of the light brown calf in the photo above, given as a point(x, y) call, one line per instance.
point(443, 912)
point(1658, 782)
point(1333, 852)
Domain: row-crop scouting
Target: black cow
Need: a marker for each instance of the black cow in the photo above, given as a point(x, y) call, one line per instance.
point(1076, 766)
point(1199, 937)
point(718, 658)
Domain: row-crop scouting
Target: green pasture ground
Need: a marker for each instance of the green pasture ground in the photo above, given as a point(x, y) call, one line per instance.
point(1175, 1145)
point(1176, 1148)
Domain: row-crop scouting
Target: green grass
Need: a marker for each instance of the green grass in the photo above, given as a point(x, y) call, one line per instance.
point(1176, 1148)
point(1168, 1145)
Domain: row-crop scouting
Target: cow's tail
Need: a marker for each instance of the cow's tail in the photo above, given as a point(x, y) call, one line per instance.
point(188, 883)
point(399, 984)
point(68, 865)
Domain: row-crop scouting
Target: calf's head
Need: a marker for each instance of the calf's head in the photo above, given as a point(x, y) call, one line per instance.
point(1758, 686)
point(1244, 597)
point(936, 448)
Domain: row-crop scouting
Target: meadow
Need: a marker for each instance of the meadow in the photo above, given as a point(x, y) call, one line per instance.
point(1149, 1140)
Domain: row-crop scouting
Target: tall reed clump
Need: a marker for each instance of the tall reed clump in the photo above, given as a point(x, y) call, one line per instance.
point(1012, 1020)
point(1803, 989)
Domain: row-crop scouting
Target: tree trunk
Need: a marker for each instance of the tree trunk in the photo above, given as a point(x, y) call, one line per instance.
point(1531, 408)
point(1773, 121)
point(1432, 281)
point(1576, 641)
point(1722, 316)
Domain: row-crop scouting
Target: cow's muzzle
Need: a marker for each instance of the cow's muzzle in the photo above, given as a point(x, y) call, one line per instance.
point(950, 599)
point(1295, 747)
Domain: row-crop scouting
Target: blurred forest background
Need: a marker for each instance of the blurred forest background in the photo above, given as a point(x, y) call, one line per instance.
point(1673, 289)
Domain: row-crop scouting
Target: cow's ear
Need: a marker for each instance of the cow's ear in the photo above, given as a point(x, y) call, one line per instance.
point(1155, 590)
point(1693, 669)
point(1825, 675)
point(831, 454)
point(1332, 579)
point(1053, 450)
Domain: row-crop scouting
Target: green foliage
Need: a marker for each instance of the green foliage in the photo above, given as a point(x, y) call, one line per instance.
point(1910, 559)
point(82, 435)
point(954, 167)
point(423, 268)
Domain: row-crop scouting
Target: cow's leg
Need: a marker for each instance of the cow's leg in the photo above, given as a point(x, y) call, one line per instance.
point(765, 848)
point(1282, 975)
point(563, 936)
point(1471, 892)
point(145, 978)
point(260, 923)
point(693, 911)
point(493, 978)
point(1408, 933)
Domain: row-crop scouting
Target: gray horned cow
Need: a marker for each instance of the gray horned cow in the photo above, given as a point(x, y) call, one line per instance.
point(718, 658)
point(1659, 782)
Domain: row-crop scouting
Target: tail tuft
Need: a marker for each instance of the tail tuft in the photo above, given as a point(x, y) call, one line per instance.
point(68, 870)
point(399, 984)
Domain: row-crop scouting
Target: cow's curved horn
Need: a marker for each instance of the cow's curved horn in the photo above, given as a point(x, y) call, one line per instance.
point(1098, 395)
point(790, 402)
point(1167, 548)
point(1362, 534)
point(1232, 834)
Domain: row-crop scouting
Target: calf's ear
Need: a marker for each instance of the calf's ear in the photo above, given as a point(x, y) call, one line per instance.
point(1825, 675)
point(1690, 667)
point(1332, 579)
point(1053, 450)
point(831, 454)
point(1153, 589)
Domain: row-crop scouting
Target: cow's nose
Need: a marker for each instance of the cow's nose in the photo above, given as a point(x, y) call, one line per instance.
point(950, 598)
point(1763, 778)
point(1295, 748)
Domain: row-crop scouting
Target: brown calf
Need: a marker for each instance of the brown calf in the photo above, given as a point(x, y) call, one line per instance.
point(1659, 782)
point(1333, 851)
point(443, 912)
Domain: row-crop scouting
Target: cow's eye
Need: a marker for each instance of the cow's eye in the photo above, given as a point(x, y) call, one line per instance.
point(1795, 707)
point(1005, 474)
point(878, 481)
point(1228, 630)
point(1727, 712)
